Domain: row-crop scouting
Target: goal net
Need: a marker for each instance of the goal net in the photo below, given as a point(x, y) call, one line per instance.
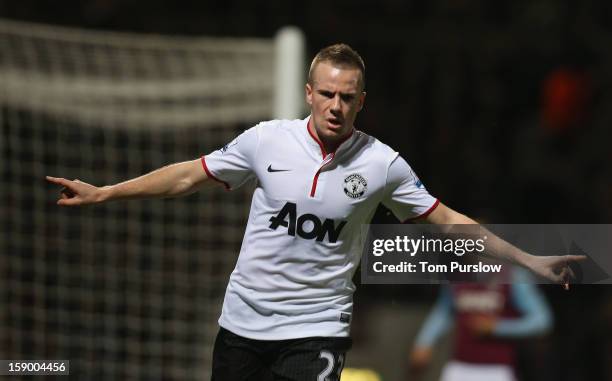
point(127, 290)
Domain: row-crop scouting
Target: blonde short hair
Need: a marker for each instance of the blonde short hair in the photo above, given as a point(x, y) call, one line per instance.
point(340, 55)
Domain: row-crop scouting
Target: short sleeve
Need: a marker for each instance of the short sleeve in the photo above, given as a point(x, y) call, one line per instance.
point(405, 194)
point(233, 164)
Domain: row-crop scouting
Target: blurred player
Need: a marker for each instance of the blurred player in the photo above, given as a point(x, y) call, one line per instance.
point(288, 304)
point(488, 318)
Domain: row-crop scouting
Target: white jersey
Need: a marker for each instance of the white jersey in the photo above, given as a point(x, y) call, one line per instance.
point(301, 246)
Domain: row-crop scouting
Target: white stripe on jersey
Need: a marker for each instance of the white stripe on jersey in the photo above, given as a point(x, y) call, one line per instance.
point(301, 246)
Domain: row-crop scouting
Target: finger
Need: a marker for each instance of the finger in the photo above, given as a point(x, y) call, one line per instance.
point(575, 258)
point(70, 187)
point(571, 273)
point(558, 275)
point(57, 180)
point(565, 274)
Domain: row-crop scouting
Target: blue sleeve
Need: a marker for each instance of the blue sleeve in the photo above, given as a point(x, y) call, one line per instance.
point(438, 321)
point(535, 318)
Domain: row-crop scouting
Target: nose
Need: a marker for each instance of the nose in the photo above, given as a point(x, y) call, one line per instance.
point(336, 106)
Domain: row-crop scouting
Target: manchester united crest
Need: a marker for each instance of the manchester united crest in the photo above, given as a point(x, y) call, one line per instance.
point(355, 185)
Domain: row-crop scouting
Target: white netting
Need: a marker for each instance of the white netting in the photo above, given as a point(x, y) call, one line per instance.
point(135, 80)
point(128, 290)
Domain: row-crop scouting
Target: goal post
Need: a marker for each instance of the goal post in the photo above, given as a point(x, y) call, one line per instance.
point(289, 76)
point(126, 290)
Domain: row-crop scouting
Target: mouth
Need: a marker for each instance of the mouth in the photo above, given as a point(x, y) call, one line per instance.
point(334, 123)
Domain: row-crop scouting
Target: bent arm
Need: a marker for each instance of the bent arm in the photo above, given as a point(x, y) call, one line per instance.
point(438, 321)
point(170, 181)
point(536, 317)
point(437, 324)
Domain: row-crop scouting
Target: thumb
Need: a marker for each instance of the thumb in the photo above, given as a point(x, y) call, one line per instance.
point(69, 201)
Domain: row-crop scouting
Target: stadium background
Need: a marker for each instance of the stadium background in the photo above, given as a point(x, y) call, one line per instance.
point(503, 108)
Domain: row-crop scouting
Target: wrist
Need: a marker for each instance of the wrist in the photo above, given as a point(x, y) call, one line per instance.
point(104, 193)
point(524, 259)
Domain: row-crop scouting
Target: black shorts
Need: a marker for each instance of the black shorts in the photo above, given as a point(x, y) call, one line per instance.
point(236, 358)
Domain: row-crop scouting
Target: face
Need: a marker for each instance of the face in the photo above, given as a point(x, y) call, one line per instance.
point(335, 97)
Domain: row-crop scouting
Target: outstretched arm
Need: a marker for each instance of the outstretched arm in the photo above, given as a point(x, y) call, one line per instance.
point(553, 268)
point(169, 181)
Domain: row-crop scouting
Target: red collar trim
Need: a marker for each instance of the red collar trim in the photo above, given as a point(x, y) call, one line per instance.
point(316, 139)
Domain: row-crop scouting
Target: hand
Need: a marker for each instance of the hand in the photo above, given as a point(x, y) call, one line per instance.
point(76, 192)
point(555, 268)
point(419, 360)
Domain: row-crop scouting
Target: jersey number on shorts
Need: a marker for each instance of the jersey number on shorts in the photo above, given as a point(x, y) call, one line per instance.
point(327, 355)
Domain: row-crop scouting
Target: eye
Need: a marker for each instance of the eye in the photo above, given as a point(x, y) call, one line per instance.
point(347, 97)
point(326, 94)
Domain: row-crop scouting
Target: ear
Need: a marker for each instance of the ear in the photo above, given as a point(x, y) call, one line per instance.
point(309, 94)
point(361, 100)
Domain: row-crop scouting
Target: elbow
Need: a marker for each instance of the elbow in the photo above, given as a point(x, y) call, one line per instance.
point(183, 187)
point(541, 324)
point(452, 217)
point(545, 323)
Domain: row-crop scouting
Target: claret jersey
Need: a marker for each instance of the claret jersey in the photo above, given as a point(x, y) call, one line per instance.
point(301, 246)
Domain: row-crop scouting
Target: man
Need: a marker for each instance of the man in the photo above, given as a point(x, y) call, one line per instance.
point(489, 318)
point(288, 304)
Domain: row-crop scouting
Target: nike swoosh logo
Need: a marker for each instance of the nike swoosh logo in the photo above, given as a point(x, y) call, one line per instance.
point(276, 170)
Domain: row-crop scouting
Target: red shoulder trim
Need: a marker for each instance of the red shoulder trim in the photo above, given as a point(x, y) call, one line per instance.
point(209, 174)
point(427, 213)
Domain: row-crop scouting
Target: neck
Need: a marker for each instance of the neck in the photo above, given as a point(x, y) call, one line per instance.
point(329, 145)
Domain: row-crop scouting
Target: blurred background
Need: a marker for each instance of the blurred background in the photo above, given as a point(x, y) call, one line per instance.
point(503, 109)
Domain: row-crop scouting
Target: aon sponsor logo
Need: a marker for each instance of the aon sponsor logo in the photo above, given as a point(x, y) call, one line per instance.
point(307, 226)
